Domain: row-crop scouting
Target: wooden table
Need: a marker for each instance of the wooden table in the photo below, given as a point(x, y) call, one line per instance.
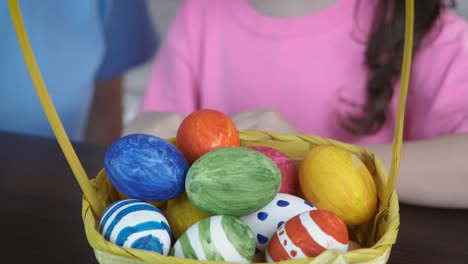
point(41, 218)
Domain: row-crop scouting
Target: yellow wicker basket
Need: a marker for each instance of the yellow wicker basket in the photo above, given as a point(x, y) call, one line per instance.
point(376, 237)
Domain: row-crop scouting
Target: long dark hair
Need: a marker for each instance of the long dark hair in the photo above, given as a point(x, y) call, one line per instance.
point(384, 57)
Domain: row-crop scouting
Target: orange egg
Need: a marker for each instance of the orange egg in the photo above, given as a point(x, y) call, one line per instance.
point(205, 130)
point(308, 235)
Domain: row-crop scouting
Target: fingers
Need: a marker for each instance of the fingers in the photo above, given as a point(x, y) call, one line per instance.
point(265, 119)
point(245, 120)
point(160, 124)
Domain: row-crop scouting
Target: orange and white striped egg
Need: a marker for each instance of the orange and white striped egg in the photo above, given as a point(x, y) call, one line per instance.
point(307, 235)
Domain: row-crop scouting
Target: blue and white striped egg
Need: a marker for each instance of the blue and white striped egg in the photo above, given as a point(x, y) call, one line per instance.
point(220, 237)
point(135, 224)
point(267, 220)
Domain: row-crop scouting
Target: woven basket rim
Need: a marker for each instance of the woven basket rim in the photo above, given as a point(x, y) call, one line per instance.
point(380, 250)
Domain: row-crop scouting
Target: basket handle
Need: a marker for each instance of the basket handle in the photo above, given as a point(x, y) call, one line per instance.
point(50, 111)
point(400, 115)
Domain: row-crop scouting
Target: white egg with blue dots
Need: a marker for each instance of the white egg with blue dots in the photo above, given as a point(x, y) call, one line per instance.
point(135, 224)
point(267, 220)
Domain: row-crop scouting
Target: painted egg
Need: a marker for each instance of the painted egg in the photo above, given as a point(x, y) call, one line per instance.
point(205, 130)
point(267, 220)
point(182, 214)
point(146, 168)
point(307, 235)
point(135, 224)
point(232, 181)
point(287, 166)
point(223, 238)
point(334, 179)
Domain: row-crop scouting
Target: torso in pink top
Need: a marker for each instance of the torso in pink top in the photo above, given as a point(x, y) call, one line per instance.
point(226, 56)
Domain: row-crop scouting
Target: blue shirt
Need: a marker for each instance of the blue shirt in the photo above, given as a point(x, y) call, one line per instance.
point(76, 43)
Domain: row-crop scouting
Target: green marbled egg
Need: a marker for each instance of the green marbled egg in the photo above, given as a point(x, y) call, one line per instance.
point(232, 181)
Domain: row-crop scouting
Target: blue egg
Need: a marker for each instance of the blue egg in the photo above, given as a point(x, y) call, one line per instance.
point(146, 167)
point(135, 224)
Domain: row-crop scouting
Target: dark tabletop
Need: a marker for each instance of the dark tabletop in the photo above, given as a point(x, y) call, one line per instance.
point(41, 218)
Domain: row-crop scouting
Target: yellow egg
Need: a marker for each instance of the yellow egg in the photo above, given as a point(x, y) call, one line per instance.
point(332, 178)
point(182, 214)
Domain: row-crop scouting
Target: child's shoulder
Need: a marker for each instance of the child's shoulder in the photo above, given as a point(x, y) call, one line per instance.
point(449, 29)
point(443, 56)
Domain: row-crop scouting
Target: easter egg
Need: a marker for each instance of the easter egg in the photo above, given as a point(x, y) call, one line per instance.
point(267, 220)
point(182, 214)
point(287, 167)
point(307, 235)
point(334, 179)
point(223, 238)
point(205, 130)
point(145, 167)
point(232, 181)
point(135, 224)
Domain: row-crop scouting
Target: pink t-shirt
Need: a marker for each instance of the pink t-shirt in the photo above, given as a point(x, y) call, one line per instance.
point(227, 56)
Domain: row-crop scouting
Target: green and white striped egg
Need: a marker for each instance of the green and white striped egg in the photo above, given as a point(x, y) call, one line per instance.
point(232, 181)
point(222, 238)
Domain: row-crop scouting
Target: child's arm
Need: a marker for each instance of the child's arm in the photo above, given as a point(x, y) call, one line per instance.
point(105, 116)
point(433, 172)
point(434, 161)
point(129, 40)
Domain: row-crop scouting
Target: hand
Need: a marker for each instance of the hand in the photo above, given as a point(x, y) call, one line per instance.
point(266, 119)
point(160, 124)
